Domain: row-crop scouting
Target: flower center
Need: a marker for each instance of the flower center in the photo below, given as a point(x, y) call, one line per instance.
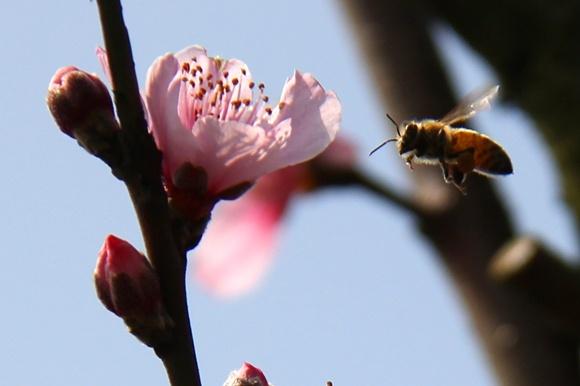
point(223, 90)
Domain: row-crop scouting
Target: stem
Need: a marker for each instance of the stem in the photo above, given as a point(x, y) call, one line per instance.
point(142, 177)
point(327, 176)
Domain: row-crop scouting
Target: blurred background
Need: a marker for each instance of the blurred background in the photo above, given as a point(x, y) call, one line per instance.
point(355, 295)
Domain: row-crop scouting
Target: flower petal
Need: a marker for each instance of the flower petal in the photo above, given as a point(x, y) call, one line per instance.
point(104, 60)
point(311, 114)
point(238, 246)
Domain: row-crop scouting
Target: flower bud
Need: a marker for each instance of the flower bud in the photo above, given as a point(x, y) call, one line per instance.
point(76, 98)
point(247, 375)
point(128, 286)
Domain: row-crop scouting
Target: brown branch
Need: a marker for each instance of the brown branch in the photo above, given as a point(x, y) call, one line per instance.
point(466, 231)
point(142, 175)
point(544, 279)
point(328, 176)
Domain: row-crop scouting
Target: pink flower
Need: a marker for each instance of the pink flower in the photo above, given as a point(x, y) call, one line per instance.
point(240, 241)
point(128, 286)
point(247, 375)
point(78, 99)
point(206, 112)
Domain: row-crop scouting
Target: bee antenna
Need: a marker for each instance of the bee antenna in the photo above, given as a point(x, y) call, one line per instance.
point(394, 123)
point(381, 145)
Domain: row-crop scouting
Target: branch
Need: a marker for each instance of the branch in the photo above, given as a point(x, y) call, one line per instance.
point(328, 176)
point(142, 175)
point(544, 279)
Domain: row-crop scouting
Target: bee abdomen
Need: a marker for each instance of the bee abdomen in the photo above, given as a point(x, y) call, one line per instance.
point(492, 158)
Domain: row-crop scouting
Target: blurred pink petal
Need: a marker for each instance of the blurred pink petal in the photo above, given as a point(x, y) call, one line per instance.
point(206, 111)
point(104, 60)
point(239, 244)
point(340, 153)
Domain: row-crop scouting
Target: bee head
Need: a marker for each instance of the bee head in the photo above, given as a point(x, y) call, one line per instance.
point(408, 136)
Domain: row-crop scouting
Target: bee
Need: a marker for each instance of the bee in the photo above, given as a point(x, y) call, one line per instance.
point(458, 151)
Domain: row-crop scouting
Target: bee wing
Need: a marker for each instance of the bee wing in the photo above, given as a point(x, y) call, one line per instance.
point(476, 101)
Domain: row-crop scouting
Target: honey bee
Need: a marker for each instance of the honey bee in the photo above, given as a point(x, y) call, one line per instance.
point(458, 151)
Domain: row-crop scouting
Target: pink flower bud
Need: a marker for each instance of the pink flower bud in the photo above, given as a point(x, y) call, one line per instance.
point(128, 286)
point(247, 375)
point(75, 97)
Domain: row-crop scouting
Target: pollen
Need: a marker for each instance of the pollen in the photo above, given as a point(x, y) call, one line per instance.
point(226, 95)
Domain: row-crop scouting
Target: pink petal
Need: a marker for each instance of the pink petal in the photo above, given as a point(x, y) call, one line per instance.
point(340, 153)
point(104, 60)
point(303, 128)
point(161, 97)
point(238, 246)
point(311, 114)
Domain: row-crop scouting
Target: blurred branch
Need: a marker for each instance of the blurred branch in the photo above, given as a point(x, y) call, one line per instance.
point(466, 231)
point(529, 269)
point(533, 46)
point(328, 176)
point(142, 175)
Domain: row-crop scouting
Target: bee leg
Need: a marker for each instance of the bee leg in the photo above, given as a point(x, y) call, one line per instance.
point(453, 175)
point(458, 179)
point(445, 170)
point(409, 161)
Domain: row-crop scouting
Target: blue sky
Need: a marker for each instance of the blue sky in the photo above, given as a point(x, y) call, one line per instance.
point(354, 295)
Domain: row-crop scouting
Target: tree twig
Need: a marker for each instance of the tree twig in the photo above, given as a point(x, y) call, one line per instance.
point(142, 176)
